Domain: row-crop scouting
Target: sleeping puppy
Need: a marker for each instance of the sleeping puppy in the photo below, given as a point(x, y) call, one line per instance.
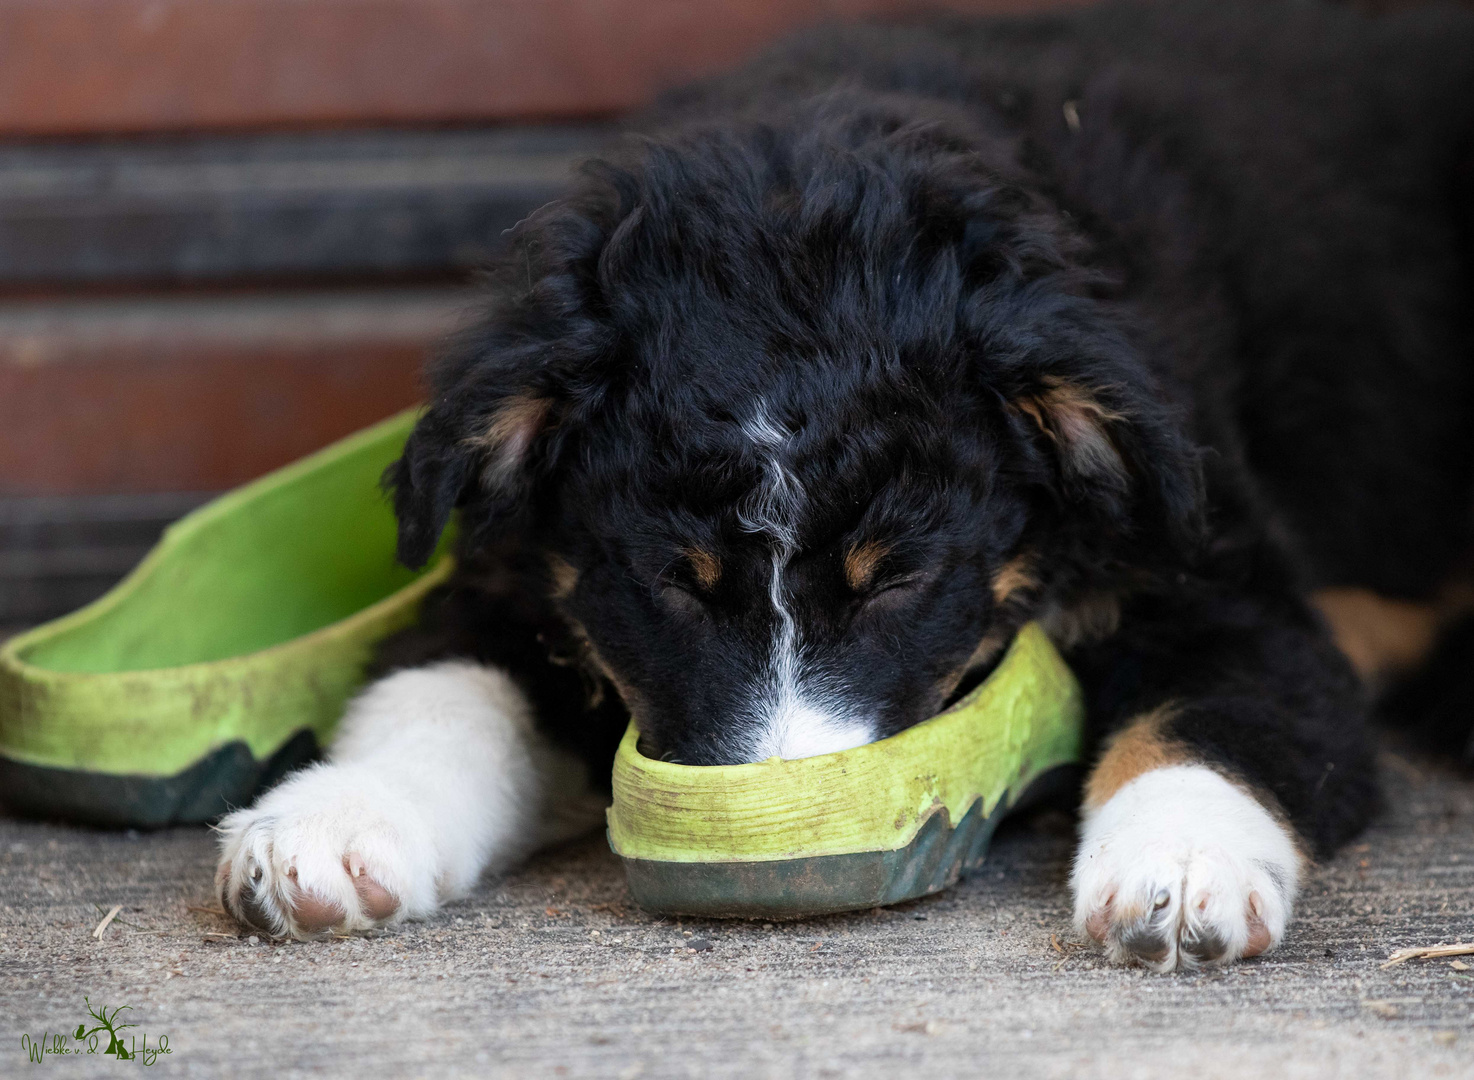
point(1153, 323)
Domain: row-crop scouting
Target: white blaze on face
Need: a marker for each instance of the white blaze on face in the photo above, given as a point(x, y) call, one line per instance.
point(791, 714)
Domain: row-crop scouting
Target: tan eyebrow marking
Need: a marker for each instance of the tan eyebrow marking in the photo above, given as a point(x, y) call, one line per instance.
point(862, 561)
point(708, 567)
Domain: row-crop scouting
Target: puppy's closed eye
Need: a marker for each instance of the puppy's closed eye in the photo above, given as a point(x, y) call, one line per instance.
point(686, 585)
point(878, 585)
point(678, 599)
point(888, 594)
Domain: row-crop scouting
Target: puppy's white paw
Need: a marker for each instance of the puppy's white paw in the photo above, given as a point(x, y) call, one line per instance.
point(437, 774)
point(1181, 868)
point(331, 849)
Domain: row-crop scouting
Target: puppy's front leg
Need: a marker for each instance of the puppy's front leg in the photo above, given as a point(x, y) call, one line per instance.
point(1179, 864)
point(436, 775)
point(1236, 748)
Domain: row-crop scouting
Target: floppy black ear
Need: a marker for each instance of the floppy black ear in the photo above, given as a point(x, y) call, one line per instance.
point(426, 482)
point(458, 449)
point(503, 384)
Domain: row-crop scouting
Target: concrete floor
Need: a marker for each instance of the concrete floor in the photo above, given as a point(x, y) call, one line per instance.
point(550, 973)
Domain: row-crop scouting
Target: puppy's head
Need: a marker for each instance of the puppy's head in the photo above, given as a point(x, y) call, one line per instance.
point(806, 419)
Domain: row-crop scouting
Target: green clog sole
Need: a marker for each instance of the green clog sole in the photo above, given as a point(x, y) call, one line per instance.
point(890, 821)
point(224, 659)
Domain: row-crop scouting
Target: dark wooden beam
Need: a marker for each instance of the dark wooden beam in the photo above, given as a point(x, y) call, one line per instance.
point(325, 206)
point(73, 67)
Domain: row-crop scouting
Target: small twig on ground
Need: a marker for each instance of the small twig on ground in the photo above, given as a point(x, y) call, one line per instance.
point(107, 921)
point(1429, 952)
point(920, 1027)
point(1066, 949)
point(130, 925)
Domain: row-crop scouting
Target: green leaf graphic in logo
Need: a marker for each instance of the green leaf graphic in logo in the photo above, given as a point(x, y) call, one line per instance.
point(106, 1022)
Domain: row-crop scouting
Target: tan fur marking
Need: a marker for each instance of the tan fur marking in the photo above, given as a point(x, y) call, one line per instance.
point(707, 567)
point(588, 661)
point(509, 434)
point(1036, 413)
point(1065, 396)
point(992, 643)
point(1383, 637)
point(632, 700)
point(565, 577)
point(1093, 618)
point(1072, 417)
point(1136, 749)
point(989, 647)
point(862, 561)
point(1016, 575)
point(1380, 637)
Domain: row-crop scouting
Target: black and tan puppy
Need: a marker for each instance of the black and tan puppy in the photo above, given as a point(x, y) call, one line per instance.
point(1155, 323)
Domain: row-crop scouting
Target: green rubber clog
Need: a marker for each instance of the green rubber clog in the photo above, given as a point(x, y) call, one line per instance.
point(890, 821)
point(224, 659)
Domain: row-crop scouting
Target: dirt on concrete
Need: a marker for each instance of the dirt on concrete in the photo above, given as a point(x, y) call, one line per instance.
point(550, 972)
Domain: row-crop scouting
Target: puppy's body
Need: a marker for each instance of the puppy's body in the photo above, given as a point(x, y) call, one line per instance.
point(1152, 322)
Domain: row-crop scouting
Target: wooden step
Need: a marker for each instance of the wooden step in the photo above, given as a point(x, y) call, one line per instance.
point(87, 66)
point(321, 206)
point(202, 392)
point(58, 552)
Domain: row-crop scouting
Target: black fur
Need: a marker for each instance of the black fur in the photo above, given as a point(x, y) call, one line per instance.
point(1172, 300)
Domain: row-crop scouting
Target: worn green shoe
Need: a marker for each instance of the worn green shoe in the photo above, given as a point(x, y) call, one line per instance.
point(224, 659)
point(893, 820)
